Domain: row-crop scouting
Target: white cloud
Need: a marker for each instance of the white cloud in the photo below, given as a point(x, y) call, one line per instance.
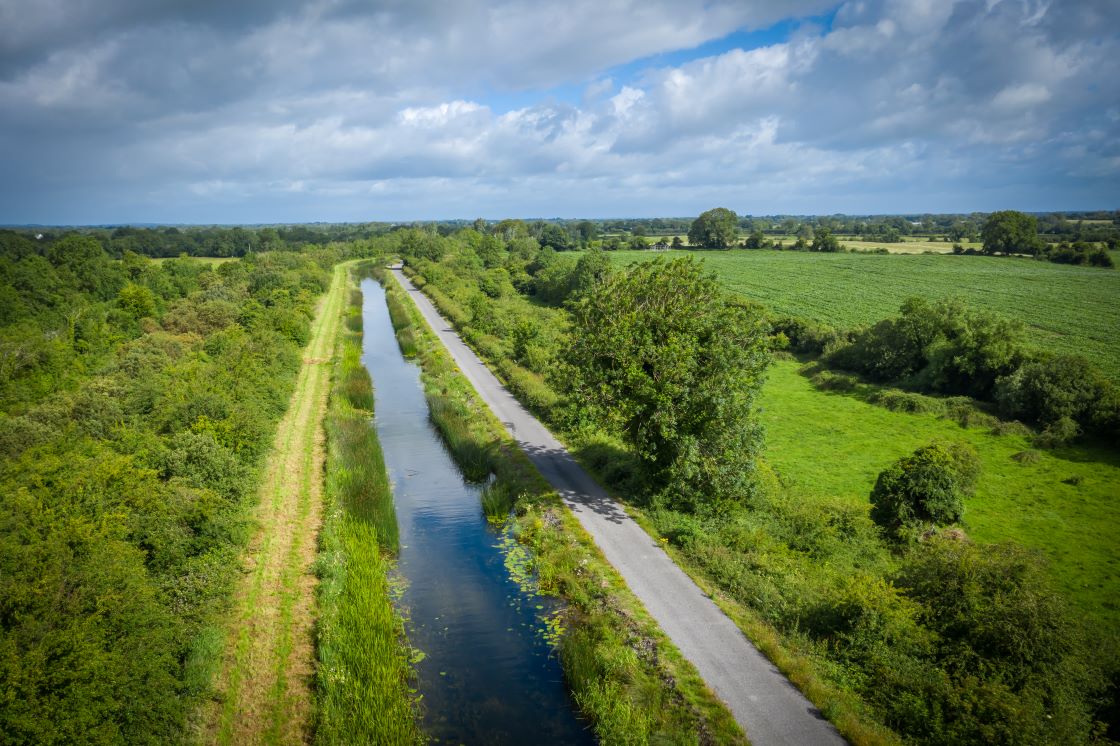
point(346, 109)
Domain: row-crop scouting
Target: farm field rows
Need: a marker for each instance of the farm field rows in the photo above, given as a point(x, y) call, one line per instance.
point(832, 446)
point(1068, 309)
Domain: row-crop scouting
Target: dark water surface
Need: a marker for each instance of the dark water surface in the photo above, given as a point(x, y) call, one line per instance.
point(490, 676)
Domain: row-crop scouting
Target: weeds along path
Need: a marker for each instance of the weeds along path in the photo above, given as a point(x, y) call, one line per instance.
point(267, 668)
point(764, 702)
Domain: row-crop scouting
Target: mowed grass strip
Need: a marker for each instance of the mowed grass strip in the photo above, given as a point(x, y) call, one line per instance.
point(828, 446)
point(269, 661)
point(1068, 309)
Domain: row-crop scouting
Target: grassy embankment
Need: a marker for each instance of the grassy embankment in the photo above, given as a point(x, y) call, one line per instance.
point(363, 690)
point(266, 678)
point(625, 675)
point(1068, 309)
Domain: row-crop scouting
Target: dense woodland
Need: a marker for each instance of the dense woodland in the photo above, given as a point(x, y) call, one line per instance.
point(136, 402)
point(899, 615)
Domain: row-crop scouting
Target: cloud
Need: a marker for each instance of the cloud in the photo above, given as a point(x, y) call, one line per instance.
point(339, 110)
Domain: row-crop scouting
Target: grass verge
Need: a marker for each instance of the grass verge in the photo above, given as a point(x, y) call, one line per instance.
point(624, 673)
point(364, 681)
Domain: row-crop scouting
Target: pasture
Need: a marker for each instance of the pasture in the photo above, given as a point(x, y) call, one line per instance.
point(832, 446)
point(1068, 309)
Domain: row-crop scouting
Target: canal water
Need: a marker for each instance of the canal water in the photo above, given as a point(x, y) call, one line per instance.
point(489, 675)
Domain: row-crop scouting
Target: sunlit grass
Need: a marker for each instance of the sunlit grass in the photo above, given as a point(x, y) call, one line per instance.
point(831, 446)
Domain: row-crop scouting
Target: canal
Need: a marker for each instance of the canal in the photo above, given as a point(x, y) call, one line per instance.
point(489, 675)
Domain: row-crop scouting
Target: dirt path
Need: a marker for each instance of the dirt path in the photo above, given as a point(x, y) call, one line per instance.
point(265, 682)
point(767, 706)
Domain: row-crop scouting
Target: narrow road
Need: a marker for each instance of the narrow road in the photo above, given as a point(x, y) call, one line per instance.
point(269, 659)
point(763, 701)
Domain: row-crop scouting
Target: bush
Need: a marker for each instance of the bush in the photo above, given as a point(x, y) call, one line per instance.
point(528, 386)
point(1012, 649)
point(927, 487)
point(943, 347)
point(1049, 389)
point(807, 337)
point(1057, 434)
point(907, 401)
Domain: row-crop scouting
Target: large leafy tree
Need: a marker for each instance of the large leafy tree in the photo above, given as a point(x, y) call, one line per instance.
point(665, 356)
point(1010, 232)
point(714, 229)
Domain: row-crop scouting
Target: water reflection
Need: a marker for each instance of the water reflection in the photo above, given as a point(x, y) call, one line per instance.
point(489, 676)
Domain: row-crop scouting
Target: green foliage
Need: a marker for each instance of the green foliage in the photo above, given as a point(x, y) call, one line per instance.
point(823, 240)
point(1012, 651)
point(127, 492)
point(717, 228)
point(137, 301)
point(453, 419)
point(660, 351)
point(1056, 387)
point(364, 678)
point(927, 487)
point(944, 347)
point(1010, 232)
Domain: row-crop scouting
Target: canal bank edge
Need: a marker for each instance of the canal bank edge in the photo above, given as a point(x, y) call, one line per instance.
point(763, 700)
point(625, 674)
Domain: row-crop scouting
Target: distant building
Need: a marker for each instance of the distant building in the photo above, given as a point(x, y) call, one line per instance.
point(660, 246)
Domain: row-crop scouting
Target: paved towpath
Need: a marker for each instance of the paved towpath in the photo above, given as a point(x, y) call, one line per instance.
point(763, 701)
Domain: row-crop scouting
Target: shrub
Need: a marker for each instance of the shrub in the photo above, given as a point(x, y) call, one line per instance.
point(1049, 389)
point(907, 401)
point(529, 387)
point(944, 347)
point(828, 381)
point(1011, 648)
point(807, 337)
point(929, 486)
point(1057, 434)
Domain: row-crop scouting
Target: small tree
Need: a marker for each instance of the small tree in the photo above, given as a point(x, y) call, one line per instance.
point(926, 487)
point(823, 240)
point(1010, 232)
point(715, 229)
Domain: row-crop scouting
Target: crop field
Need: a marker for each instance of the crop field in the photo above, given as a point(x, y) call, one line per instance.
point(1068, 309)
point(906, 247)
point(832, 446)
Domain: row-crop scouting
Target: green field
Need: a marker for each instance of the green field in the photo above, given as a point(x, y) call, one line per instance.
point(833, 445)
point(1070, 309)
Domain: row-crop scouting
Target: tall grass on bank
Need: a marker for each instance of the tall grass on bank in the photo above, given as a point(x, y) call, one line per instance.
point(364, 678)
point(624, 674)
point(454, 422)
point(353, 380)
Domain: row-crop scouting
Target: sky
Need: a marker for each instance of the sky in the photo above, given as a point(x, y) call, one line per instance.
point(282, 111)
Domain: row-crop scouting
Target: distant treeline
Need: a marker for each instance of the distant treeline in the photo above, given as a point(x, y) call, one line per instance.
point(565, 235)
point(205, 241)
